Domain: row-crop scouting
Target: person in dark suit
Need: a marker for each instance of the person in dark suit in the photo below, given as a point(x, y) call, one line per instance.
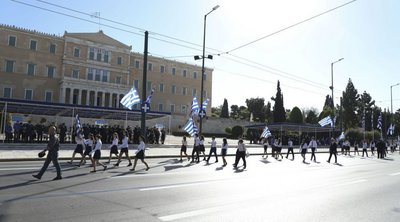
point(52, 155)
point(332, 150)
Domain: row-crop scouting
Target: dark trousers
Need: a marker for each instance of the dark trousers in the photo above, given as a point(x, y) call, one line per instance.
point(330, 155)
point(196, 150)
point(213, 150)
point(366, 152)
point(51, 157)
point(313, 154)
point(240, 154)
point(290, 150)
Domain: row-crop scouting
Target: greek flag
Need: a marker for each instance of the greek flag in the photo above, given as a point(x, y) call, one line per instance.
point(379, 126)
point(195, 106)
point(341, 137)
point(190, 127)
point(205, 104)
point(148, 100)
point(326, 121)
point(78, 126)
point(391, 130)
point(130, 99)
point(266, 133)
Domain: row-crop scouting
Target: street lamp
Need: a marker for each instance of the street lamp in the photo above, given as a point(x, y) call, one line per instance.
point(333, 104)
point(391, 97)
point(201, 113)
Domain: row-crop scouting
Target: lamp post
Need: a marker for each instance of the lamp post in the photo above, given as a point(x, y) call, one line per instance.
point(333, 104)
point(202, 68)
point(391, 97)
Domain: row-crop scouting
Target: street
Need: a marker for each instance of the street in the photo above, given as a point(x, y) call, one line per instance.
point(356, 189)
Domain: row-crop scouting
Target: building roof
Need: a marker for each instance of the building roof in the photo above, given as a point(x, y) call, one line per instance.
point(97, 37)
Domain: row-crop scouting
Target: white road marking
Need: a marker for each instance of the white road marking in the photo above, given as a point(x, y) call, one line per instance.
point(187, 214)
point(394, 174)
point(172, 186)
point(351, 182)
point(21, 168)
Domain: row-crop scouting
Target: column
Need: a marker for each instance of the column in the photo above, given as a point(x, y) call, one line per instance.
point(95, 98)
point(71, 96)
point(62, 95)
point(87, 97)
point(79, 96)
point(103, 99)
point(110, 100)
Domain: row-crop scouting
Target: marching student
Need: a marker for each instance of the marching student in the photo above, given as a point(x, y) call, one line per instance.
point(332, 150)
point(88, 148)
point(202, 148)
point(124, 150)
point(265, 143)
point(240, 153)
point(290, 149)
point(224, 150)
point(196, 141)
point(373, 147)
point(96, 154)
point(356, 144)
point(303, 149)
point(113, 147)
point(184, 148)
point(278, 148)
point(365, 147)
point(140, 154)
point(313, 146)
point(79, 147)
point(213, 150)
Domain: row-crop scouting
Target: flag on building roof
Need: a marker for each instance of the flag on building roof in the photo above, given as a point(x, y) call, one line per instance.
point(130, 99)
point(190, 127)
point(326, 121)
point(266, 133)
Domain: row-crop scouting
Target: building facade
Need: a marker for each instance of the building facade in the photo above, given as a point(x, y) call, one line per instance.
point(92, 69)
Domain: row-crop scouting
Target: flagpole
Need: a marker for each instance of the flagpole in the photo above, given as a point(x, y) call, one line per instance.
point(72, 123)
point(5, 122)
point(144, 84)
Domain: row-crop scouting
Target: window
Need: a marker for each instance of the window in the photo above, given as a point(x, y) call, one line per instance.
point(28, 94)
point(162, 69)
point(33, 45)
point(194, 75)
point(205, 76)
point(77, 52)
point(173, 71)
point(148, 87)
point(184, 91)
point(136, 83)
point(106, 56)
point(91, 53)
point(194, 92)
point(172, 108)
point(161, 88)
point(9, 66)
point(90, 74)
point(75, 73)
point(160, 107)
point(205, 94)
point(12, 41)
point(105, 76)
point(137, 64)
point(52, 48)
point(184, 109)
point(173, 89)
point(48, 96)
point(118, 80)
point(97, 76)
point(184, 73)
point(119, 60)
point(7, 92)
point(150, 68)
point(99, 55)
point(50, 71)
point(30, 69)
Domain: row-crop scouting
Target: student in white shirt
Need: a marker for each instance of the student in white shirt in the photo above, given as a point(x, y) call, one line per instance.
point(213, 150)
point(265, 143)
point(278, 148)
point(184, 148)
point(196, 149)
point(140, 154)
point(124, 150)
point(313, 146)
point(365, 147)
point(88, 148)
point(240, 154)
point(78, 148)
point(96, 154)
point(113, 147)
point(224, 150)
point(290, 149)
point(202, 148)
point(303, 149)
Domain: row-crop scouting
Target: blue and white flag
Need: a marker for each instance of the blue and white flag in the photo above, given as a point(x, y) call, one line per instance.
point(205, 103)
point(190, 127)
point(379, 126)
point(341, 137)
point(147, 103)
point(130, 99)
point(78, 126)
point(390, 131)
point(266, 133)
point(326, 121)
point(195, 107)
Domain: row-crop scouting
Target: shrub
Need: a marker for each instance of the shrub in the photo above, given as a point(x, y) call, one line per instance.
point(237, 131)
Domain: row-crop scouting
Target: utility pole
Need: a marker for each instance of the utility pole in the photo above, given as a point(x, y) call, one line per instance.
point(144, 85)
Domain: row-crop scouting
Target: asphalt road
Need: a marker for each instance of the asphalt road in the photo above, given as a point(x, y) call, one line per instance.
point(358, 189)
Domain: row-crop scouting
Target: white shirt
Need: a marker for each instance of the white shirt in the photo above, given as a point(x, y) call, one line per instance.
point(365, 145)
point(184, 142)
point(213, 143)
point(114, 142)
point(124, 143)
point(79, 141)
point(290, 143)
point(196, 141)
point(89, 142)
point(313, 144)
point(304, 147)
point(241, 147)
point(224, 147)
point(201, 142)
point(98, 145)
point(141, 146)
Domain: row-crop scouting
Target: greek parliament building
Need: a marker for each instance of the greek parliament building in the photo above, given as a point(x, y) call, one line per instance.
point(92, 69)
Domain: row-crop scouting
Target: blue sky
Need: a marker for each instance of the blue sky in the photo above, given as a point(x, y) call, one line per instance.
point(365, 33)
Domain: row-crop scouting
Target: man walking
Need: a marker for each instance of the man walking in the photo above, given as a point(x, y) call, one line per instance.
point(52, 156)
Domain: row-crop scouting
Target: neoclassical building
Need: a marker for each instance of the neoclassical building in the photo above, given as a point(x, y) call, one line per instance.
point(91, 69)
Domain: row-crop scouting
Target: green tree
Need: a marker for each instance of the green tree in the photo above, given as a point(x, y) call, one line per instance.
point(365, 102)
point(224, 110)
point(237, 131)
point(279, 113)
point(295, 115)
point(268, 113)
point(327, 111)
point(350, 103)
point(256, 106)
point(216, 111)
point(311, 116)
point(239, 112)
